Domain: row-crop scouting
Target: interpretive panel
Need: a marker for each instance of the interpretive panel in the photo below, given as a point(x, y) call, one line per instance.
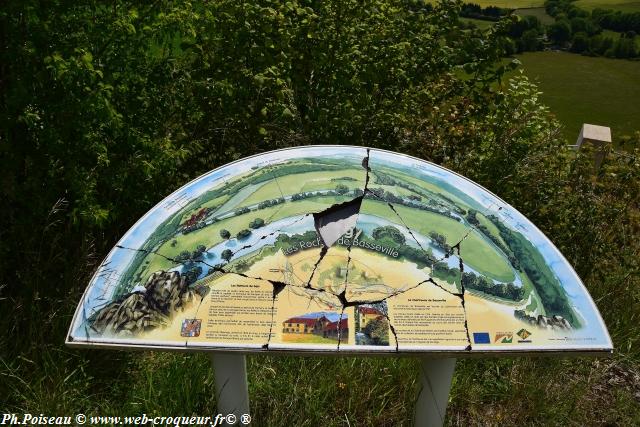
point(429, 261)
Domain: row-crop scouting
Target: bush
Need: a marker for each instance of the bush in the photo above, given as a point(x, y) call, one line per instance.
point(256, 223)
point(243, 234)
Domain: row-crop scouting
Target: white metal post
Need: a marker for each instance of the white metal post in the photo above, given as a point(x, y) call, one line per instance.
point(435, 378)
point(232, 393)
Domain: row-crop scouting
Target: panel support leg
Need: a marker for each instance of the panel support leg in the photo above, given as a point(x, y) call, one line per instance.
point(435, 379)
point(232, 393)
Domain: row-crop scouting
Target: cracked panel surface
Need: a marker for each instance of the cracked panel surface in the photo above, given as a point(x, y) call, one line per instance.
point(337, 249)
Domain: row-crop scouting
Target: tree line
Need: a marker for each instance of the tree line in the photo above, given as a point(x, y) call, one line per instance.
point(581, 31)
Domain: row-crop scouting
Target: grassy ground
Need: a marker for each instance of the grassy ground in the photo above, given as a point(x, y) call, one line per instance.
point(331, 391)
point(581, 89)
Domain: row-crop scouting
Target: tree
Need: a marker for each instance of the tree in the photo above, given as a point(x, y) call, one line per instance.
point(624, 48)
point(226, 255)
point(242, 211)
point(225, 234)
point(389, 232)
point(580, 42)
point(508, 46)
point(530, 41)
point(579, 24)
point(342, 189)
point(560, 32)
point(440, 240)
point(243, 234)
point(378, 331)
point(183, 256)
point(256, 223)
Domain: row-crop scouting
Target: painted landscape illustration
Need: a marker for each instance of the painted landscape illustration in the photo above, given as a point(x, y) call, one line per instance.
point(423, 236)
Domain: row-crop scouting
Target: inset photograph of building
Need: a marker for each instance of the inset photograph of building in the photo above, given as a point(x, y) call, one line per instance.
point(317, 327)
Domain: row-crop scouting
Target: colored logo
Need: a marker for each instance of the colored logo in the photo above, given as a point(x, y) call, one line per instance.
point(481, 338)
point(524, 334)
point(504, 337)
point(190, 328)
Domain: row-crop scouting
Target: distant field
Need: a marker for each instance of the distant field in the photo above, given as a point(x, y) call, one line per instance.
point(310, 181)
point(623, 5)
point(509, 4)
point(581, 89)
point(538, 12)
point(480, 23)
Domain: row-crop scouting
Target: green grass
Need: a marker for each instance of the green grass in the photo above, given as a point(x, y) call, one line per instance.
point(581, 89)
point(480, 23)
point(328, 391)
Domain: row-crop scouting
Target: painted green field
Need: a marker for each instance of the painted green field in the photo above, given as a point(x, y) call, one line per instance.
point(581, 89)
point(310, 181)
point(474, 250)
point(421, 183)
point(218, 201)
point(210, 236)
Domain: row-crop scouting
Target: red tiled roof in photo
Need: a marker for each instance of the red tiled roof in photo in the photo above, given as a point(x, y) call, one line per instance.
point(368, 310)
point(333, 326)
point(304, 320)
